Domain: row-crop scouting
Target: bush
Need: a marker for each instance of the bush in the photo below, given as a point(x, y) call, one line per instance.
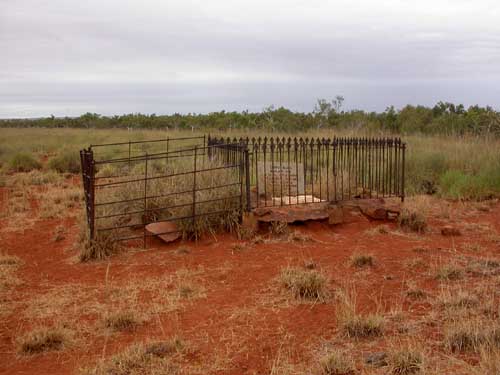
point(337, 363)
point(460, 185)
point(406, 361)
point(148, 358)
point(65, 162)
point(471, 335)
point(43, 339)
point(361, 260)
point(121, 320)
point(354, 324)
point(102, 247)
point(23, 162)
point(412, 220)
point(305, 284)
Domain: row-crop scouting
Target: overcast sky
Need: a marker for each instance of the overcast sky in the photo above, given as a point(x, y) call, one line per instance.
point(67, 57)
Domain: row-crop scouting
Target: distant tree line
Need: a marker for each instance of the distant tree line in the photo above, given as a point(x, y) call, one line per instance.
point(443, 118)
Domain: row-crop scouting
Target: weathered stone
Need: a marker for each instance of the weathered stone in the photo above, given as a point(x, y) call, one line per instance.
point(277, 180)
point(335, 215)
point(377, 359)
point(359, 210)
point(167, 231)
point(291, 214)
point(353, 214)
point(448, 230)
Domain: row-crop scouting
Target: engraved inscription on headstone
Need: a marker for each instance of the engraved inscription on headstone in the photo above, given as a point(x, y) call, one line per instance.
point(286, 179)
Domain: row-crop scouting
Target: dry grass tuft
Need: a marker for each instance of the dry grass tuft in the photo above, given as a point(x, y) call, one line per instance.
point(457, 299)
point(414, 292)
point(337, 363)
point(8, 266)
point(123, 320)
point(471, 335)
point(362, 260)
point(413, 221)
point(305, 284)
point(279, 228)
point(354, 324)
point(489, 363)
point(406, 360)
point(299, 237)
point(9, 260)
point(150, 358)
point(449, 272)
point(42, 340)
point(102, 247)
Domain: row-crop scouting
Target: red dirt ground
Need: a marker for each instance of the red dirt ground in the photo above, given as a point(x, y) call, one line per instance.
point(240, 322)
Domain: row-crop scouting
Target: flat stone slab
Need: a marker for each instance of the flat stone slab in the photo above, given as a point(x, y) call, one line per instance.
point(167, 231)
point(291, 214)
point(358, 210)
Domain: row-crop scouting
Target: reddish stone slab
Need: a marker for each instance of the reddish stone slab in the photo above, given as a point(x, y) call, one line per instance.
point(165, 230)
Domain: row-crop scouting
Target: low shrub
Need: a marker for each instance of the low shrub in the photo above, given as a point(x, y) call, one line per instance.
point(65, 162)
point(471, 335)
point(148, 358)
point(23, 162)
point(449, 272)
point(42, 340)
point(412, 221)
point(406, 361)
point(354, 324)
point(305, 284)
point(362, 260)
point(121, 320)
point(102, 247)
point(337, 363)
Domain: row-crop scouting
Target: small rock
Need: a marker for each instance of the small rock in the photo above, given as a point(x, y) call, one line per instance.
point(167, 231)
point(377, 359)
point(448, 230)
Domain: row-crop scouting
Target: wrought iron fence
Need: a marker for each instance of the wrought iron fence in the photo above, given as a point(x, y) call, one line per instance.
point(198, 185)
point(287, 171)
point(186, 187)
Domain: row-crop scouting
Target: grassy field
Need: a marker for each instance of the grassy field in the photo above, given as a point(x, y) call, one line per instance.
point(370, 298)
point(452, 167)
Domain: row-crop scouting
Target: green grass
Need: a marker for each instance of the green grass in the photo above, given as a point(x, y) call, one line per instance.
point(67, 161)
point(23, 162)
point(454, 167)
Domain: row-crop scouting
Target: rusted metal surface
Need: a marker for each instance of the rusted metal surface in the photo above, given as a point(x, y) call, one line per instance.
point(288, 171)
point(257, 172)
point(123, 195)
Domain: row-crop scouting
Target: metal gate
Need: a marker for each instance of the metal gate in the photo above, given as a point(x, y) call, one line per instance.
point(197, 188)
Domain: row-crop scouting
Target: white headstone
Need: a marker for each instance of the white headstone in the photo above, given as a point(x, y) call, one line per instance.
point(287, 179)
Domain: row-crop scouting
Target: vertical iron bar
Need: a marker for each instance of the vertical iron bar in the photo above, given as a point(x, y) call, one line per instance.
point(327, 170)
point(247, 178)
point(403, 174)
point(146, 217)
point(280, 149)
point(194, 188)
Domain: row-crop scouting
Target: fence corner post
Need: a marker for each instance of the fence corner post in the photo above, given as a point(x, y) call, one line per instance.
point(247, 178)
point(403, 174)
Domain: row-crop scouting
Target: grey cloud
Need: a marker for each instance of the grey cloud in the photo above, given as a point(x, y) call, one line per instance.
point(127, 57)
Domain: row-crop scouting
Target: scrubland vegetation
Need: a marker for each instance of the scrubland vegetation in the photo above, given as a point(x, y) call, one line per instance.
point(452, 152)
point(390, 298)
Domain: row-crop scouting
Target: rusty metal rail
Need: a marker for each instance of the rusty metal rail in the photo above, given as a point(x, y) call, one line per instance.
point(287, 171)
point(192, 184)
point(185, 186)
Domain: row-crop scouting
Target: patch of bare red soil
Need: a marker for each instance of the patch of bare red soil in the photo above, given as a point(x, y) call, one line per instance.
point(235, 322)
